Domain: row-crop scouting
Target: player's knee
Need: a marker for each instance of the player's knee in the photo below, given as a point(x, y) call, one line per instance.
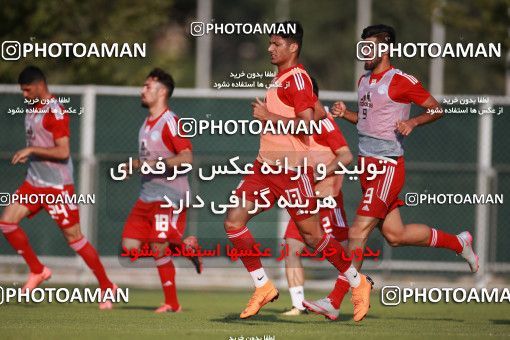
point(4, 222)
point(234, 221)
point(72, 234)
point(229, 225)
point(9, 216)
point(293, 261)
point(357, 232)
point(393, 240)
point(130, 244)
point(311, 238)
point(5, 218)
point(158, 249)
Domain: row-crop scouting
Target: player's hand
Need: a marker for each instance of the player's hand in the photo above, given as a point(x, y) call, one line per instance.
point(136, 164)
point(338, 109)
point(21, 156)
point(260, 111)
point(405, 127)
point(151, 163)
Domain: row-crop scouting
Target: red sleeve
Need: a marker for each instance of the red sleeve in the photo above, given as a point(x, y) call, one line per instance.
point(405, 88)
point(299, 94)
point(331, 135)
point(172, 140)
point(56, 121)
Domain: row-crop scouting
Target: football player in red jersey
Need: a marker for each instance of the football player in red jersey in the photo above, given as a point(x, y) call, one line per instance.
point(385, 95)
point(150, 220)
point(290, 99)
point(328, 148)
point(50, 172)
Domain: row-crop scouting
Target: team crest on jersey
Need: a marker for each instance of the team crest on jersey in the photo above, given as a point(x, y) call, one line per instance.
point(366, 100)
point(155, 136)
point(383, 89)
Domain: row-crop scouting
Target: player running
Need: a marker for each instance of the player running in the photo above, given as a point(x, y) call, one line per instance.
point(328, 148)
point(291, 99)
point(385, 95)
point(50, 172)
point(148, 221)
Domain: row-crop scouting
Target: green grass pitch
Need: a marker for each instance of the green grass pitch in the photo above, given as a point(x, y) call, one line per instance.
point(215, 315)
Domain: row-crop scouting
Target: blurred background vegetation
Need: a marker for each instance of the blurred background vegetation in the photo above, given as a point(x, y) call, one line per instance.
point(328, 51)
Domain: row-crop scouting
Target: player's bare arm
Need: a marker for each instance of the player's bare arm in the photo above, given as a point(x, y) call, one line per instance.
point(185, 156)
point(340, 110)
point(137, 163)
point(59, 152)
point(343, 155)
point(431, 105)
point(318, 111)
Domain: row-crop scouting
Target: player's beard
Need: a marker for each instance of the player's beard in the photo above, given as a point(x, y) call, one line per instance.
point(144, 105)
point(372, 64)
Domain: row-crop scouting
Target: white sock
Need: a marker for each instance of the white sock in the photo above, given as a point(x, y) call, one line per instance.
point(353, 276)
point(259, 277)
point(297, 295)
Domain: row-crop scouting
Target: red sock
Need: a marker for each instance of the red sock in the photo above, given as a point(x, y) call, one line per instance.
point(166, 272)
point(336, 296)
point(91, 258)
point(440, 239)
point(328, 242)
point(242, 239)
point(19, 241)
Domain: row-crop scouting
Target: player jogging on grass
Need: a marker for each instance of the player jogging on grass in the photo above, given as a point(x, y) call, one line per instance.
point(293, 101)
point(385, 95)
point(150, 222)
point(329, 148)
point(50, 172)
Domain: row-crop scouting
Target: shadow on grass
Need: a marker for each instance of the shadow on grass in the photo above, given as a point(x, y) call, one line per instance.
point(341, 317)
point(500, 322)
point(310, 319)
point(424, 319)
point(147, 308)
point(254, 320)
point(27, 305)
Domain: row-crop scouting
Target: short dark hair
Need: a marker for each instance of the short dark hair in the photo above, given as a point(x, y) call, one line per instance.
point(31, 74)
point(315, 86)
point(296, 37)
point(383, 33)
point(163, 78)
